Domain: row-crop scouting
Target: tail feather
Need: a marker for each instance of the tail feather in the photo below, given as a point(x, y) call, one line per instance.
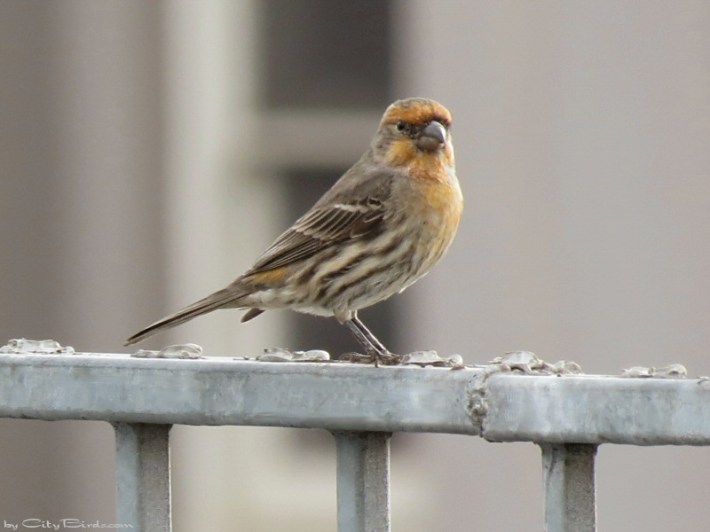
point(221, 298)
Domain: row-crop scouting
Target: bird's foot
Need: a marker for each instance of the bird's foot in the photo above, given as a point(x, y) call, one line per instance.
point(372, 357)
point(386, 359)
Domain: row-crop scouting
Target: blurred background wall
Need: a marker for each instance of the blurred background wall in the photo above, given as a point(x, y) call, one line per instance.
point(150, 150)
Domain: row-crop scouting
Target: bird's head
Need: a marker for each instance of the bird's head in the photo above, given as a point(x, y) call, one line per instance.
point(414, 133)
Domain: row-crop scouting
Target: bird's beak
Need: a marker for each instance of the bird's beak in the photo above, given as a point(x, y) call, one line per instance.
point(432, 137)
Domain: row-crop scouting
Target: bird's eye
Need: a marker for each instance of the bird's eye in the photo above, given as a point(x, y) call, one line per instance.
point(401, 126)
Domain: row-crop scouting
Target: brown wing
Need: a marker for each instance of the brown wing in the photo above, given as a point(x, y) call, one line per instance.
point(353, 207)
point(319, 228)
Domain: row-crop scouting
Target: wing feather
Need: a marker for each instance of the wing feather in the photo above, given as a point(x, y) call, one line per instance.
point(320, 228)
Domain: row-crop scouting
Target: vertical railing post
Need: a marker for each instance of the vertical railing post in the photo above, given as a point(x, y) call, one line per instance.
point(363, 469)
point(143, 476)
point(568, 475)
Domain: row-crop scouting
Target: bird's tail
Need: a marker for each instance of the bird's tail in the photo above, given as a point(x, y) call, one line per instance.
point(222, 298)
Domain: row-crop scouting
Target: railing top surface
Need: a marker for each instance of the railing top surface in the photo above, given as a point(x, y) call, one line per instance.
point(498, 405)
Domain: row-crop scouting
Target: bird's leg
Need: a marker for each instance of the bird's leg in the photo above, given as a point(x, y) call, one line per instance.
point(372, 345)
point(370, 337)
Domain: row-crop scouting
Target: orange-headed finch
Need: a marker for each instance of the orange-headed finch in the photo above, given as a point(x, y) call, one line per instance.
point(379, 228)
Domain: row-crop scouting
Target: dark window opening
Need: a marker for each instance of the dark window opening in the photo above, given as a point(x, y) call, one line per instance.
point(324, 54)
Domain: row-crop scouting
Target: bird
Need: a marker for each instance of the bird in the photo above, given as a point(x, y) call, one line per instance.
point(381, 227)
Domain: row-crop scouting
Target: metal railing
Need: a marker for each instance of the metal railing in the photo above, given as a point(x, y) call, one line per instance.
point(568, 415)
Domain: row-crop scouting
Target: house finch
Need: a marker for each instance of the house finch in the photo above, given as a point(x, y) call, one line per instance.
point(379, 228)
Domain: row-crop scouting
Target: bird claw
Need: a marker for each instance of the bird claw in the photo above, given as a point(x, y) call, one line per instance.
point(386, 359)
point(373, 357)
point(355, 358)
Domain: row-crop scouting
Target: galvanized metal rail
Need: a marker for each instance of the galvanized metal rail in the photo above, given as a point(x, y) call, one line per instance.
point(567, 415)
